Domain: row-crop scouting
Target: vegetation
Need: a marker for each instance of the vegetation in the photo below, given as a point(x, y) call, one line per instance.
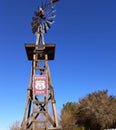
point(96, 111)
point(15, 126)
point(68, 115)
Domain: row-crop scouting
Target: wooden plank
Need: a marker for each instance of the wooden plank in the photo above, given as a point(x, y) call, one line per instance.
point(51, 121)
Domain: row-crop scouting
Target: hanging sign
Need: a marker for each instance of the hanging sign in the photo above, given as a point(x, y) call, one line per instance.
point(40, 85)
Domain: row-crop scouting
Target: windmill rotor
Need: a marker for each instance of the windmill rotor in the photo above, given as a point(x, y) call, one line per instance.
point(44, 17)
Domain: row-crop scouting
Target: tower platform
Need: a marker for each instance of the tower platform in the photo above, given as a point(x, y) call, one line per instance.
point(41, 50)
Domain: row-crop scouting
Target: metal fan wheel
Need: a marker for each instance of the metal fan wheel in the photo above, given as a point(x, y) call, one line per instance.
point(44, 16)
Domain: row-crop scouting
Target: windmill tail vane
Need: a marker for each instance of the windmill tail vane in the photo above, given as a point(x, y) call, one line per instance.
point(54, 1)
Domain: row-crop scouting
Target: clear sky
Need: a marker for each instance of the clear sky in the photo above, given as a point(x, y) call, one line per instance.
point(85, 58)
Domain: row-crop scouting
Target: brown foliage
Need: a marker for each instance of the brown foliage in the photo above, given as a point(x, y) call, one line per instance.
point(96, 111)
point(15, 126)
point(68, 115)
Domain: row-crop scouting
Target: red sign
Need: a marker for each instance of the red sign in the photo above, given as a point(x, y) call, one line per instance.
point(40, 85)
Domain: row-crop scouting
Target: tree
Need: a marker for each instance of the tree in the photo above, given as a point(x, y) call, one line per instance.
point(15, 126)
point(97, 111)
point(68, 115)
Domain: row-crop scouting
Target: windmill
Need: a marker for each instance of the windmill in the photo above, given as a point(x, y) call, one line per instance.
point(40, 110)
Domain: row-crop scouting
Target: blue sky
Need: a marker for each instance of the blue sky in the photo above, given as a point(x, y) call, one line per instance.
point(85, 59)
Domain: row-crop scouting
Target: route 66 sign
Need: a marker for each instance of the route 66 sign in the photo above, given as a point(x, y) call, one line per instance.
point(40, 85)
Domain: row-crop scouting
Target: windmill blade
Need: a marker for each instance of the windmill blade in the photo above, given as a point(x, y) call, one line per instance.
point(46, 6)
point(34, 29)
point(34, 22)
point(51, 16)
point(48, 25)
point(50, 21)
point(51, 11)
point(45, 30)
point(34, 19)
point(49, 5)
point(36, 14)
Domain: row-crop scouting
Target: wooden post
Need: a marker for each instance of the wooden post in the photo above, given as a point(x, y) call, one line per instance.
point(53, 103)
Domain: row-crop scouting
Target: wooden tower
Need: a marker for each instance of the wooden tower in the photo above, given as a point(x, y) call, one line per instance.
point(40, 97)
